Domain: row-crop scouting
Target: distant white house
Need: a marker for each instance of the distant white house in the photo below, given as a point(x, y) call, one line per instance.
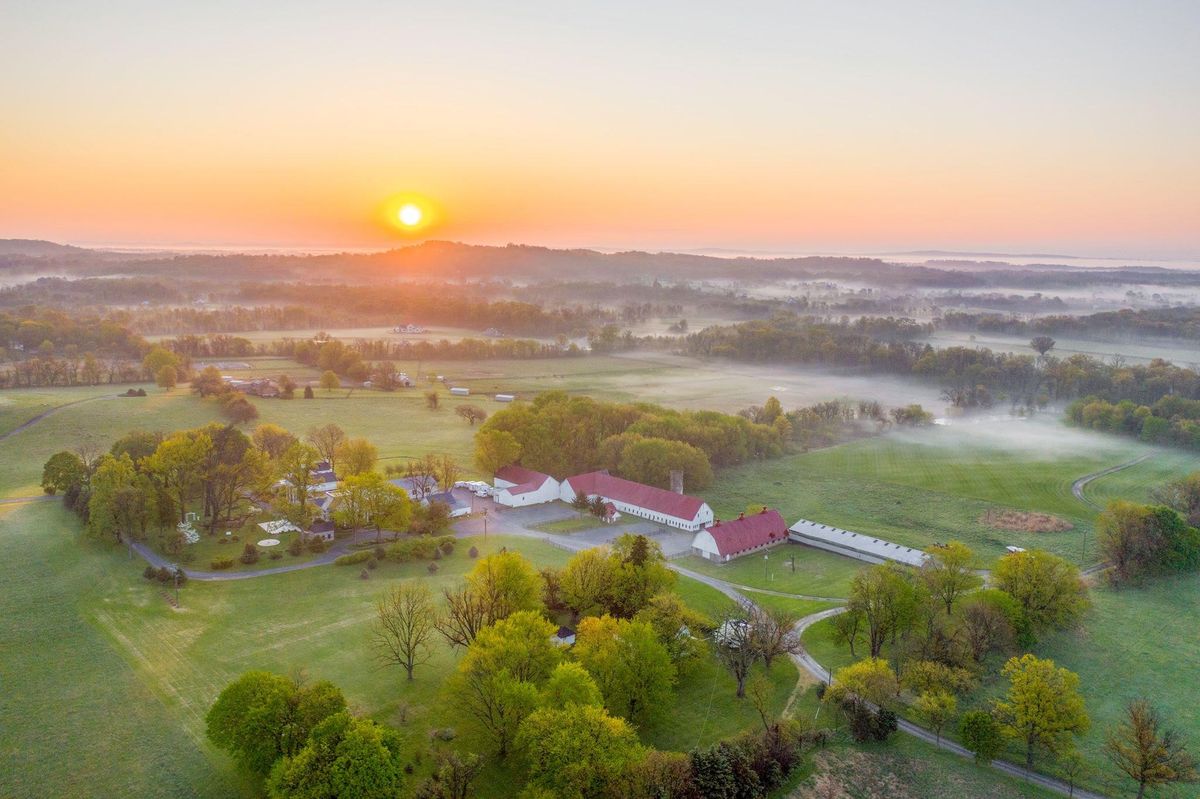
point(674, 509)
point(517, 487)
point(724, 541)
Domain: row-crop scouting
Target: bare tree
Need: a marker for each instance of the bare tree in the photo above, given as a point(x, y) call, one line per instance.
point(734, 646)
point(447, 472)
point(1148, 751)
point(326, 439)
point(472, 413)
point(773, 633)
point(420, 474)
point(405, 625)
point(466, 614)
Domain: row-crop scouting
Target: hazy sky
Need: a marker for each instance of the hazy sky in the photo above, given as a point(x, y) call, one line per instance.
point(1016, 126)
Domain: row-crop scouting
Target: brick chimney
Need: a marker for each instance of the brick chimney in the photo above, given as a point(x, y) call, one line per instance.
point(677, 481)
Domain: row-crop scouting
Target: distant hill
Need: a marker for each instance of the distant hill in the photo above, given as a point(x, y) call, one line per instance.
point(37, 248)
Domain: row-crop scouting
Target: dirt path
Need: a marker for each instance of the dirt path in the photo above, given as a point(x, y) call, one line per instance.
point(25, 425)
point(1078, 486)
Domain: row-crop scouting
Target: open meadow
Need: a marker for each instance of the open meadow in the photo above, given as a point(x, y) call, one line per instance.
point(117, 644)
point(928, 486)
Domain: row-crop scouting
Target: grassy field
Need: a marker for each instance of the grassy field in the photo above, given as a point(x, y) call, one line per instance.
point(113, 642)
point(817, 573)
point(1133, 643)
point(935, 485)
point(1137, 482)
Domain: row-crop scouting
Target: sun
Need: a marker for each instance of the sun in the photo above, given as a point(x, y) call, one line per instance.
point(410, 215)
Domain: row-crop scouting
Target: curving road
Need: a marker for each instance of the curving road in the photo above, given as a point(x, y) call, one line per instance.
point(473, 527)
point(28, 423)
point(1078, 486)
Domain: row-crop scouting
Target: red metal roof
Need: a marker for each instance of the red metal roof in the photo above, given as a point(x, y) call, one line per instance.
point(668, 503)
point(752, 531)
point(519, 474)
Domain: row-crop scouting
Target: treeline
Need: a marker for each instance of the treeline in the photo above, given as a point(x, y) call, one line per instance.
point(1172, 420)
point(969, 377)
point(1125, 323)
point(563, 435)
point(45, 332)
point(92, 292)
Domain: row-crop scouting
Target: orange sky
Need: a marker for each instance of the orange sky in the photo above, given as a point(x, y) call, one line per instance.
point(802, 127)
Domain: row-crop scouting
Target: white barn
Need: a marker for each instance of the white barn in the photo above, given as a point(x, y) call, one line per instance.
point(647, 502)
point(517, 487)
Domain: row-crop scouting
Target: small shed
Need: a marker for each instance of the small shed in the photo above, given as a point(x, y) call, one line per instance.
point(322, 530)
point(460, 391)
point(505, 398)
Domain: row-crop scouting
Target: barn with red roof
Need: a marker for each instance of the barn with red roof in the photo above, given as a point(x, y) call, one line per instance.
point(671, 508)
point(724, 541)
point(517, 487)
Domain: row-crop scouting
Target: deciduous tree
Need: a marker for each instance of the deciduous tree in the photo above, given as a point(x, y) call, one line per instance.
point(326, 439)
point(633, 670)
point(404, 626)
point(495, 449)
point(577, 751)
point(1049, 589)
point(1148, 751)
point(1042, 707)
point(344, 756)
point(948, 573)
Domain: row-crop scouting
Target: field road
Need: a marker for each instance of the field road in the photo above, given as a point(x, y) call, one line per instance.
point(1078, 486)
point(25, 425)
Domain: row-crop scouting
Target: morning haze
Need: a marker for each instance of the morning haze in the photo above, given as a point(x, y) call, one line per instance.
point(605, 401)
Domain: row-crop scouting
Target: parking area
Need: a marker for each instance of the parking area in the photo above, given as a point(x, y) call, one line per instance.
point(673, 542)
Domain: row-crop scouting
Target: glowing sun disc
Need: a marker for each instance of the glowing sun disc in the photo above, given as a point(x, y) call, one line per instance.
point(409, 215)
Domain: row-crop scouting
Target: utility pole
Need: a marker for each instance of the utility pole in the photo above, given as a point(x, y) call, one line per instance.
point(793, 559)
point(177, 586)
point(765, 559)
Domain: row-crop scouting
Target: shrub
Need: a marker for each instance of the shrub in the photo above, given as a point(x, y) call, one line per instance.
point(164, 575)
point(316, 546)
point(275, 554)
point(442, 734)
point(150, 572)
point(379, 552)
point(249, 554)
point(473, 552)
point(364, 575)
point(447, 545)
point(372, 563)
point(437, 554)
point(221, 563)
point(296, 548)
point(351, 558)
point(432, 568)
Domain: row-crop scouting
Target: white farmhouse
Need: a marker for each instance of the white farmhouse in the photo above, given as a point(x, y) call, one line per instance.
point(517, 487)
point(672, 508)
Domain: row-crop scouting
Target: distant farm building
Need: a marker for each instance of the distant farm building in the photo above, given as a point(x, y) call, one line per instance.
point(647, 502)
point(517, 487)
point(505, 398)
point(460, 391)
point(724, 541)
point(855, 545)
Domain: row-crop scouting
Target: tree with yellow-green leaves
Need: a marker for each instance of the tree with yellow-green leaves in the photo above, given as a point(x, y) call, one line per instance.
point(495, 449)
point(870, 680)
point(1042, 708)
point(936, 709)
point(949, 572)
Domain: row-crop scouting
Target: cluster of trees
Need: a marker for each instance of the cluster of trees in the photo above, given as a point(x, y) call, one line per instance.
point(937, 628)
point(571, 715)
point(1143, 540)
point(148, 482)
point(563, 435)
point(48, 347)
point(303, 740)
point(926, 635)
point(1172, 420)
point(968, 377)
point(1162, 322)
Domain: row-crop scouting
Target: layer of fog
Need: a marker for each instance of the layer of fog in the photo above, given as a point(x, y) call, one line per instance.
point(1180, 352)
point(1042, 437)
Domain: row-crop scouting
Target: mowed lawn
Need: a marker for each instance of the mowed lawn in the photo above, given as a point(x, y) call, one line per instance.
point(813, 572)
point(934, 485)
point(106, 685)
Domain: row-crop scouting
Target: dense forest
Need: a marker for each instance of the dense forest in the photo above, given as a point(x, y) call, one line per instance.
point(1125, 323)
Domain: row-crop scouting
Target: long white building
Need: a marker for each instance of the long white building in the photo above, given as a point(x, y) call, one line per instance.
point(647, 502)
